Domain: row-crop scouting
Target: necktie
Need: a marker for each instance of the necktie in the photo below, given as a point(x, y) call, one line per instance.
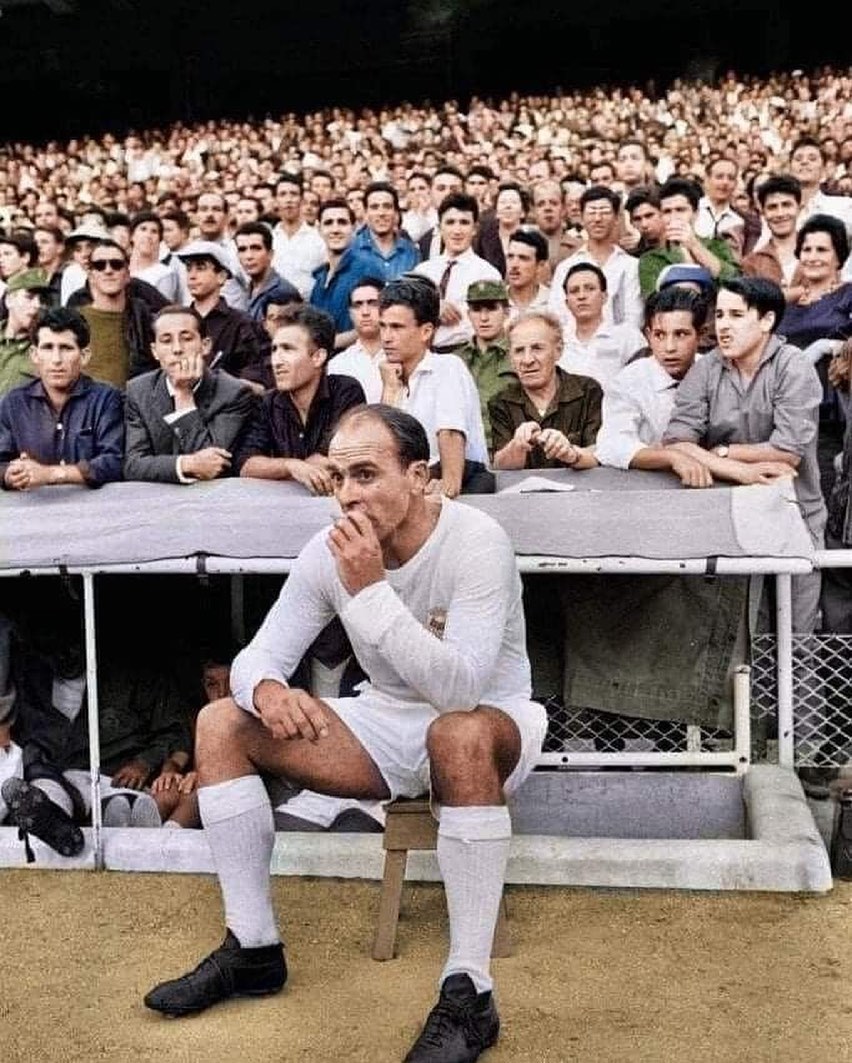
point(445, 277)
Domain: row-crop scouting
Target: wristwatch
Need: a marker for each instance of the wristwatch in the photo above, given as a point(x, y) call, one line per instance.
point(722, 450)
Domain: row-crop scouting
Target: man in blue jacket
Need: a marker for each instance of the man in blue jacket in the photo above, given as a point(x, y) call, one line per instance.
point(64, 427)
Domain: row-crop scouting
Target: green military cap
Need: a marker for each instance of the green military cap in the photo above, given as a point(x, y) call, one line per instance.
point(487, 292)
point(28, 280)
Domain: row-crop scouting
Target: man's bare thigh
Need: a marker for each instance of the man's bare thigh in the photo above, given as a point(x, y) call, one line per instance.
point(337, 764)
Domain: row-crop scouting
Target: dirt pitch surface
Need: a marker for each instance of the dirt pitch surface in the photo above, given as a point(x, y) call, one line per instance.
point(597, 975)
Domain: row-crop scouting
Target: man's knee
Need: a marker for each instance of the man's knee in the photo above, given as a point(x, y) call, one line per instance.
point(464, 737)
point(220, 724)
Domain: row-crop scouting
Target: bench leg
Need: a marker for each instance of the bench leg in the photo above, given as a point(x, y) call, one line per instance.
point(392, 879)
point(502, 944)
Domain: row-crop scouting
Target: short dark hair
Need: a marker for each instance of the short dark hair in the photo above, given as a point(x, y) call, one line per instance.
point(824, 223)
point(596, 192)
point(481, 171)
point(23, 244)
point(142, 217)
point(173, 309)
point(808, 142)
point(640, 196)
point(681, 186)
point(382, 186)
point(368, 282)
point(62, 319)
point(287, 178)
point(179, 217)
point(256, 228)
point(117, 217)
point(673, 298)
point(513, 186)
point(416, 292)
point(589, 267)
point(54, 230)
point(294, 299)
point(459, 201)
point(412, 443)
point(759, 293)
point(336, 203)
point(534, 239)
point(446, 167)
point(779, 184)
point(317, 323)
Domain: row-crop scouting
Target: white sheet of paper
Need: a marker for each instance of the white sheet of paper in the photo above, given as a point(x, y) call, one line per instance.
point(535, 483)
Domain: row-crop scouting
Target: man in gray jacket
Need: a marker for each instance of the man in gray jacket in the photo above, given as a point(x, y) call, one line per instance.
point(183, 419)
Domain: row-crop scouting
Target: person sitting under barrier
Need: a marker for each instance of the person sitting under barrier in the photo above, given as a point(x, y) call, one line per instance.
point(430, 595)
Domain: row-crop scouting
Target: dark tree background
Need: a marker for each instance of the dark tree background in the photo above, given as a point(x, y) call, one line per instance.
point(76, 66)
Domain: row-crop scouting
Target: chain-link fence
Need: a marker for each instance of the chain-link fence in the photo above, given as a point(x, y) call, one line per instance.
point(822, 700)
point(822, 697)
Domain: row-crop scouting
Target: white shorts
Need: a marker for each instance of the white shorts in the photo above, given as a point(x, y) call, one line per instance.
point(394, 735)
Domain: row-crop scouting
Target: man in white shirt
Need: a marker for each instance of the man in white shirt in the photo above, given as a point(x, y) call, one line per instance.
point(430, 597)
point(639, 401)
point(437, 389)
point(807, 165)
point(297, 248)
point(593, 346)
point(455, 269)
point(363, 359)
point(526, 257)
point(716, 217)
point(599, 209)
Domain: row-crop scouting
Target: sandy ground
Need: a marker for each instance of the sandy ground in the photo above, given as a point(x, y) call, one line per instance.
point(597, 976)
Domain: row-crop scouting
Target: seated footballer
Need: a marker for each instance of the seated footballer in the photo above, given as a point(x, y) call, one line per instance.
point(429, 594)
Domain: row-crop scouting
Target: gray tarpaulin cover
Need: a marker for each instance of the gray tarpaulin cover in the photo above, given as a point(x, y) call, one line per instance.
point(610, 514)
point(656, 646)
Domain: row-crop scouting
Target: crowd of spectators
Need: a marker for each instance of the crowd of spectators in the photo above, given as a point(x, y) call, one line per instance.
point(551, 281)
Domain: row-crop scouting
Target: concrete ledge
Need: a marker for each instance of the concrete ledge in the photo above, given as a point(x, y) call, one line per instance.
point(784, 851)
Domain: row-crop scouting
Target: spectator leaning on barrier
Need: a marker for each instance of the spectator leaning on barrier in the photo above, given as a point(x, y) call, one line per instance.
point(639, 401)
point(548, 418)
point(748, 412)
point(64, 427)
point(25, 295)
point(288, 436)
point(436, 389)
point(183, 420)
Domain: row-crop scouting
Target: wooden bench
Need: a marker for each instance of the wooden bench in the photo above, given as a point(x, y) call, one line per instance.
point(410, 825)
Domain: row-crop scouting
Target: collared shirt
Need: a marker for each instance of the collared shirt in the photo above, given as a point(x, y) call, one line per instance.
point(636, 409)
point(624, 304)
point(278, 430)
point(653, 262)
point(575, 412)
point(16, 366)
point(604, 354)
point(442, 396)
point(362, 366)
point(402, 257)
point(88, 432)
point(778, 408)
point(273, 287)
point(468, 267)
point(296, 257)
point(711, 223)
point(491, 371)
point(331, 293)
point(540, 301)
point(238, 344)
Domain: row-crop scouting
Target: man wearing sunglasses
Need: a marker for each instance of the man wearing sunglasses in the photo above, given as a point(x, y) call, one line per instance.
point(120, 323)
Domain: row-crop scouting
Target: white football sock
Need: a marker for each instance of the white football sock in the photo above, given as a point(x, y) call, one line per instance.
point(237, 818)
point(473, 847)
